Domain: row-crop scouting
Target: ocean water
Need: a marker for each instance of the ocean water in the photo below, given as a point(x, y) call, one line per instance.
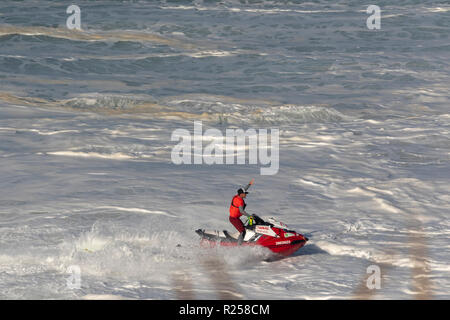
point(88, 183)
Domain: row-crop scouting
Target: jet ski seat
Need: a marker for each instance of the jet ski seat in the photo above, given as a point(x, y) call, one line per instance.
point(234, 236)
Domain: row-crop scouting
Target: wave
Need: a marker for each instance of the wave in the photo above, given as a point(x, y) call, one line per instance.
point(236, 112)
point(108, 250)
point(234, 8)
point(92, 35)
point(215, 109)
point(111, 102)
point(138, 210)
point(111, 156)
point(370, 254)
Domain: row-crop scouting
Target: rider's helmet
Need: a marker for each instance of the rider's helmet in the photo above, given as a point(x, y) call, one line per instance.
point(242, 190)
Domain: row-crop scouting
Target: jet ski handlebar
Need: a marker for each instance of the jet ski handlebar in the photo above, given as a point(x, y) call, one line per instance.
point(256, 221)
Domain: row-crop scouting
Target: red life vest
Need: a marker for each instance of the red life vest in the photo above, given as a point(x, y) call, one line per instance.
point(234, 207)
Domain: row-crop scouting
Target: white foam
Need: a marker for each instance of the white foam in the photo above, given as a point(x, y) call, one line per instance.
point(92, 296)
point(91, 242)
point(50, 133)
point(138, 210)
point(438, 9)
point(112, 156)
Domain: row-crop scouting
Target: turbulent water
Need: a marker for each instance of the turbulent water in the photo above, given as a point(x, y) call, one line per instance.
point(89, 188)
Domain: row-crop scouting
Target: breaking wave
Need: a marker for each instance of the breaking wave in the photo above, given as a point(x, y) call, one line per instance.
point(215, 109)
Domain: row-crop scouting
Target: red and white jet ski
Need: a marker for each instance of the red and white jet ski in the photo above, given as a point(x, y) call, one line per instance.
point(272, 234)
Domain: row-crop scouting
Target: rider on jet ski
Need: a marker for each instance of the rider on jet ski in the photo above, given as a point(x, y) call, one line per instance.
point(237, 209)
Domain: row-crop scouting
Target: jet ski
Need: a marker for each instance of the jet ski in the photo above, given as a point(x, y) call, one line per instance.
point(272, 234)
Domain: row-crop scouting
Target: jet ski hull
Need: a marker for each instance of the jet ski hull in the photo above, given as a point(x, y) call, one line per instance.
point(280, 241)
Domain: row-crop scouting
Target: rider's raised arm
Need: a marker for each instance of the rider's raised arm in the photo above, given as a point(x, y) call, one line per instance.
point(248, 186)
